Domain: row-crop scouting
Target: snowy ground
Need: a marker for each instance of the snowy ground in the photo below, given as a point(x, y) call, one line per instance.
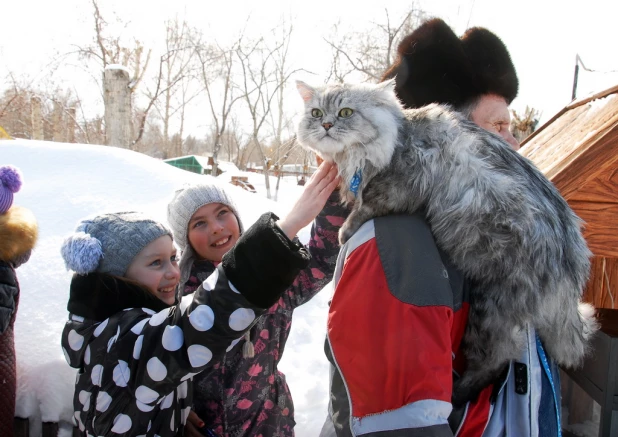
point(66, 182)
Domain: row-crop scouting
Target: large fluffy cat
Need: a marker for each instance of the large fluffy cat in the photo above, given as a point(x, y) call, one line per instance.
point(499, 219)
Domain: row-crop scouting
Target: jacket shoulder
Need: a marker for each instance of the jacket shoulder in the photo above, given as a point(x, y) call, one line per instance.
point(411, 261)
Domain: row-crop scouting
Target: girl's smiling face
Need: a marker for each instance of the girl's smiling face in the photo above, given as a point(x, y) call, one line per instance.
point(213, 230)
point(156, 268)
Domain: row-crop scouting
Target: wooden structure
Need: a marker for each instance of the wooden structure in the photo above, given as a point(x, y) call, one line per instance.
point(578, 151)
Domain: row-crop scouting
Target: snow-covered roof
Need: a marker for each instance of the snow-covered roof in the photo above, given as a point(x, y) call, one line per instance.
point(226, 166)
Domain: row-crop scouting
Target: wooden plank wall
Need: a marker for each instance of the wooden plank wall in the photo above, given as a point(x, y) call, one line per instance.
point(602, 289)
point(597, 204)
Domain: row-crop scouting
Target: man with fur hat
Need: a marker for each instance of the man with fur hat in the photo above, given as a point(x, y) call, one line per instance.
point(474, 74)
point(18, 234)
point(397, 256)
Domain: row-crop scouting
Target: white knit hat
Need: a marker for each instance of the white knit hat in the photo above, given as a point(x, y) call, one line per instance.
point(185, 203)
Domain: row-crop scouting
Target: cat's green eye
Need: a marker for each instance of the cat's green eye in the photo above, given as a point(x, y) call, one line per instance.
point(345, 112)
point(316, 113)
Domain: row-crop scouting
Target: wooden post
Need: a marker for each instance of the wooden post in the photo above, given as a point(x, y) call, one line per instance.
point(117, 101)
point(37, 120)
point(70, 125)
point(50, 429)
point(57, 125)
point(21, 427)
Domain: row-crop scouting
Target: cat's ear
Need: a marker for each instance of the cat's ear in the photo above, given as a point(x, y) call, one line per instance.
point(387, 85)
point(306, 92)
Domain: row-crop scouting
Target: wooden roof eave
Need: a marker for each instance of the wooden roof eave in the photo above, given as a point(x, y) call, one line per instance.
point(601, 153)
point(567, 108)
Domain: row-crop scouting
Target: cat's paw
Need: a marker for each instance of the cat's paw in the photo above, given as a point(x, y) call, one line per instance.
point(464, 390)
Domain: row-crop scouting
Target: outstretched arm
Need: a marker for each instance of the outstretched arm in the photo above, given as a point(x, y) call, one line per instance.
point(324, 247)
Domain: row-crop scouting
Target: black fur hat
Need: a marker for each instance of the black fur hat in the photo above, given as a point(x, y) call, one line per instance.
point(435, 66)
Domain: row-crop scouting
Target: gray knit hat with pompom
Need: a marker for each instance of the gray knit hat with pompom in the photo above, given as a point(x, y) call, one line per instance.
point(108, 243)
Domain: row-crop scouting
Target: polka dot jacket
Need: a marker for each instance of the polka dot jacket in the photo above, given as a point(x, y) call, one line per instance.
point(135, 366)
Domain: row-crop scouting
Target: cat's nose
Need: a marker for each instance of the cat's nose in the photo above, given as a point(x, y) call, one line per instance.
point(327, 126)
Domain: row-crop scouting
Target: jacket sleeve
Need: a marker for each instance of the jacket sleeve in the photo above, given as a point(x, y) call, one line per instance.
point(158, 351)
point(9, 290)
point(391, 344)
point(324, 248)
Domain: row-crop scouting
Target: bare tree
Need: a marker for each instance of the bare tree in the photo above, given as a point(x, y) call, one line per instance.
point(216, 64)
point(264, 74)
point(524, 124)
point(279, 121)
point(110, 49)
point(33, 113)
point(172, 89)
point(370, 52)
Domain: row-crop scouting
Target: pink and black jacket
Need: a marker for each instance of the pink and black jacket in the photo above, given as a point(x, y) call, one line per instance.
point(249, 396)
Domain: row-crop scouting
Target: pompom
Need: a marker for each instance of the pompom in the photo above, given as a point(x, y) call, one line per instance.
point(81, 253)
point(10, 177)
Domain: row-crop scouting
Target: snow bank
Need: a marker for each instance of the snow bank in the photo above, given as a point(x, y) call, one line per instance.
point(66, 182)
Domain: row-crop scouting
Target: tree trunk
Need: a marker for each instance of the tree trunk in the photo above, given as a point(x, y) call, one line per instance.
point(117, 101)
point(37, 120)
point(277, 186)
point(57, 125)
point(215, 157)
point(267, 180)
point(70, 126)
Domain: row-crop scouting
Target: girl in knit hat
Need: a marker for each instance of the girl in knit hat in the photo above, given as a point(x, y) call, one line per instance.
point(18, 234)
point(137, 347)
point(245, 394)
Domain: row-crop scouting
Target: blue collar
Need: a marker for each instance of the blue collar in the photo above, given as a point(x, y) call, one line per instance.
point(356, 181)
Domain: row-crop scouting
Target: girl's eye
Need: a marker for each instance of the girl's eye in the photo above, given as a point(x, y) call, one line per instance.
point(198, 223)
point(316, 113)
point(223, 212)
point(346, 112)
point(156, 263)
point(174, 258)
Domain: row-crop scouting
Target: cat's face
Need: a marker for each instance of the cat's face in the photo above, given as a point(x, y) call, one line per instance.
point(347, 116)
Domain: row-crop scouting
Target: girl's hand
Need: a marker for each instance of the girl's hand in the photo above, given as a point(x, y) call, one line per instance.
point(312, 201)
point(193, 426)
